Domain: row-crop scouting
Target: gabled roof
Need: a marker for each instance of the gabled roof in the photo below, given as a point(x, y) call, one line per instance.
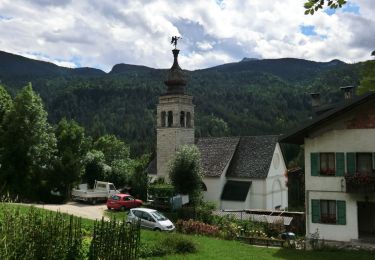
point(236, 190)
point(297, 136)
point(216, 153)
point(253, 157)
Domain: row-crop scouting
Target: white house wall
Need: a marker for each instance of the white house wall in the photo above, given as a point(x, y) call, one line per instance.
point(326, 187)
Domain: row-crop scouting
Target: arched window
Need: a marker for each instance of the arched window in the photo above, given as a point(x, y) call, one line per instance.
point(182, 119)
point(163, 118)
point(188, 119)
point(170, 118)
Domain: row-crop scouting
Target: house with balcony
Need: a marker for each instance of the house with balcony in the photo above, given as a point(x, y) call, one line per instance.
point(339, 149)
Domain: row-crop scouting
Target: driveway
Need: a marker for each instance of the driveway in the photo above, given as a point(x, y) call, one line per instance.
point(77, 209)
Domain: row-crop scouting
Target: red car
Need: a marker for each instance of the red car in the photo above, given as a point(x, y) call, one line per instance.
point(123, 202)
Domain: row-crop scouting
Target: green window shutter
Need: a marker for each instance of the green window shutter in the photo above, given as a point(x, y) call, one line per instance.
point(340, 164)
point(351, 163)
point(341, 212)
point(315, 211)
point(315, 164)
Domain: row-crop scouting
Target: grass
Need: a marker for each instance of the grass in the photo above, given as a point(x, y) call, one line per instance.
point(211, 248)
point(120, 215)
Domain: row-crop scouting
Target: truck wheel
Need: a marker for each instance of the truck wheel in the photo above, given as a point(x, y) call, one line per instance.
point(122, 208)
point(157, 229)
point(93, 201)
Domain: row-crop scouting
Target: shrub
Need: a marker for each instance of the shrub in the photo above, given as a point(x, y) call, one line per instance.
point(179, 244)
point(196, 227)
point(152, 250)
point(172, 244)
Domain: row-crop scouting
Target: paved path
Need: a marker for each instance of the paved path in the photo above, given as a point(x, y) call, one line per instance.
point(77, 209)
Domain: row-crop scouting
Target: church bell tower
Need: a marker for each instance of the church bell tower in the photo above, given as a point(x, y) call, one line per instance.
point(175, 117)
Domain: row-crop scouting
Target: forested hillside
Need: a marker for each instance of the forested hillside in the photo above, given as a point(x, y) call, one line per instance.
point(244, 98)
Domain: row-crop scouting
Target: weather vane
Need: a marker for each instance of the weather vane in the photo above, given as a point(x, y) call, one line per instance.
point(174, 40)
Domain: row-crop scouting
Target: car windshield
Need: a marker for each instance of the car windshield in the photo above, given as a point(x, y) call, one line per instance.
point(158, 216)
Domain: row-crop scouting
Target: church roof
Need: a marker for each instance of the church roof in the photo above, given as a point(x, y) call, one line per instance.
point(216, 153)
point(253, 157)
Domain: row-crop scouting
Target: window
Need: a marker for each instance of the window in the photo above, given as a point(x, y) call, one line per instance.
point(147, 217)
point(327, 164)
point(114, 197)
point(182, 119)
point(188, 119)
point(163, 117)
point(112, 187)
point(328, 211)
point(364, 163)
point(158, 216)
point(127, 198)
point(137, 213)
point(170, 118)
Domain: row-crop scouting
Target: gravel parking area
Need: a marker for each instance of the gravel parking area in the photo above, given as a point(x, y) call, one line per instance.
point(77, 209)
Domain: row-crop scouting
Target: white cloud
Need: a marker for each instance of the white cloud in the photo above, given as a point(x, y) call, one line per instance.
point(102, 33)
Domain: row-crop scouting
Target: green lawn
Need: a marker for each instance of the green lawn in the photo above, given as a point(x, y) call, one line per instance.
point(119, 215)
point(211, 248)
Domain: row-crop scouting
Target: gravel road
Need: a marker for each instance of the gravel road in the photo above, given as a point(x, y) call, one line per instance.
point(77, 209)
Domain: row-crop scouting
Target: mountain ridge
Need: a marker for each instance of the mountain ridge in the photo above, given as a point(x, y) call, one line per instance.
point(14, 64)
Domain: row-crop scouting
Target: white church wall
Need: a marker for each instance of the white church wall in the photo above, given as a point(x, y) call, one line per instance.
point(276, 190)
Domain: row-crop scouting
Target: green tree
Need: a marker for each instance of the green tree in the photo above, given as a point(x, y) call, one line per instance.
point(139, 179)
point(368, 77)
point(312, 6)
point(5, 104)
point(121, 172)
point(185, 172)
point(112, 148)
point(28, 144)
point(212, 126)
point(95, 167)
point(71, 149)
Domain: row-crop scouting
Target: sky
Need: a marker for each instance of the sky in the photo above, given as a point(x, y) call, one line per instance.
point(100, 34)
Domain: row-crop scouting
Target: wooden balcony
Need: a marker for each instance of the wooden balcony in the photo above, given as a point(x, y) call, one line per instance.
point(360, 183)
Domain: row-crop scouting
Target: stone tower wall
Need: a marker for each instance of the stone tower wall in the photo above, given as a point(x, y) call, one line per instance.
point(171, 138)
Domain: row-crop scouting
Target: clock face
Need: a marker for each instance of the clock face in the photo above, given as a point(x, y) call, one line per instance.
point(276, 160)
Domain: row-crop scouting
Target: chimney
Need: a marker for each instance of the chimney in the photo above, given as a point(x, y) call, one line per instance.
point(315, 100)
point(348, 92)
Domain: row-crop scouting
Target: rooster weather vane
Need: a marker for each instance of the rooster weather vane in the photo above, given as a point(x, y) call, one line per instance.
point(174, 41)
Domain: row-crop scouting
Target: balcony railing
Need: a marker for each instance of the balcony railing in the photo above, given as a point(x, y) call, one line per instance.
point(360, 183)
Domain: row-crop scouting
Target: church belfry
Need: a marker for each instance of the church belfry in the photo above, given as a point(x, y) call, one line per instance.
point(175, 117)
